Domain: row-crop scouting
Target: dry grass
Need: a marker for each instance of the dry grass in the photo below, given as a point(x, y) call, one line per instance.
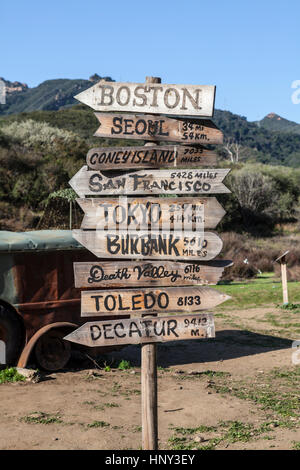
point(260, 254)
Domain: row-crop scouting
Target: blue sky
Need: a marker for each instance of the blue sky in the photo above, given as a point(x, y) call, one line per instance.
point(249, 49)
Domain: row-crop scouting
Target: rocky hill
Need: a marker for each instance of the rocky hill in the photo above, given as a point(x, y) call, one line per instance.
point(274, 122)
point(49, 95)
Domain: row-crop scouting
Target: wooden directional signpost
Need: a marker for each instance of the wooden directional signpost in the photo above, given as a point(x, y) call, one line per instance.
point(160, 252)
point(144, 330)
point(147, 273)
point(155, 213)
point(167, 156)
point(154, 245)
point(151, 128)
point(203, 181)
point(145, 300)
point(184, 100)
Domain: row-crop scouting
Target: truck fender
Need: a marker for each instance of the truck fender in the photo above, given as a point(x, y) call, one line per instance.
point(23, 360)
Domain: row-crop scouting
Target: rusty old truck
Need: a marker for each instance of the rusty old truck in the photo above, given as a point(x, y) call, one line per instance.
point(39, 304)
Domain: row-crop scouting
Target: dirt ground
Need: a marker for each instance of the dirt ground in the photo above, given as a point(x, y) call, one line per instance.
point(237, 391)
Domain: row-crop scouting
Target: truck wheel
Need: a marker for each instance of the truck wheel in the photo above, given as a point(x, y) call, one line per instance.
point(11, 333)
point(52, 352)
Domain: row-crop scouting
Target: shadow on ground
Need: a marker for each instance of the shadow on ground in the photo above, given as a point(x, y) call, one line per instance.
point(228, 344)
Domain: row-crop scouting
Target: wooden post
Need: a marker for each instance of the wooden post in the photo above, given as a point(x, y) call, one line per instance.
point(282, 261)
point(284, 282)
point(149, 380)
point(149, 397)
point(70, 217)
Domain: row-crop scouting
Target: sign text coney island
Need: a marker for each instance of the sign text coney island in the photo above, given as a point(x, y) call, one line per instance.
point(167, 156)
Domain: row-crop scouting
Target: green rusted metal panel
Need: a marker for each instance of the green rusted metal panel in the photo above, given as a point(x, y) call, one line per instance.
point(8, 290)
point(38, 240)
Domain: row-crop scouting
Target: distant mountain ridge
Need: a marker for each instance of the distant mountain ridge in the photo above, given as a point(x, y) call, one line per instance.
point(274, 122)
point(49, 95)
point(272, 140)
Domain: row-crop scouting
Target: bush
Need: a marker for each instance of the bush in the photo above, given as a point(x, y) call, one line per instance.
point(250, 257)
point(262, 197)
point(11, 375)
point(31, 133)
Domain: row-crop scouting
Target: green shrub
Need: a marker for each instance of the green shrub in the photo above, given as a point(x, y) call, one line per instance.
point(31, 133)
point(124, 365)
point(10, 375)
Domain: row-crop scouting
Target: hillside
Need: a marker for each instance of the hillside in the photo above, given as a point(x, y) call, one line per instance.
point(274, 122)
point(41, 149)
point(272, 140)
point(258, 143)
point(49, 95)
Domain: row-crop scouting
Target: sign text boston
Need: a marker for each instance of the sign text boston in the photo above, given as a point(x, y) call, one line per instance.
point(182, 100)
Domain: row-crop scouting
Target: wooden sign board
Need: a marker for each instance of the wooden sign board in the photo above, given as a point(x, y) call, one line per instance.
point(144, 330)
point(159, 98)
point(151, 301)
point(282, 258)
point(166, 156)
point(158, 128)
point(152, 245)
point(156, 213)
point(147, 273)
point(204, 181)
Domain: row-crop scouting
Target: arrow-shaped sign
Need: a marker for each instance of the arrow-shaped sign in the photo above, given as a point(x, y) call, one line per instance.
point(156, 213)
point(158, 128)
point(153, 245)
point(155, 300)
point(188, 100)
point(144, 330)
point(147, 273)
point(167, 156)
point(204, 181)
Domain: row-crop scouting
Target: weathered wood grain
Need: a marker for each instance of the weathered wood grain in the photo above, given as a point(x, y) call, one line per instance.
point(147, 273)
point(144, 330)
point(158, 128)
point(151, 245)
point(146, 213)
point(149, 378)
point(149, 396)
point(150, 98)
point(154, 300)
point(204, 181)
point(162, 156)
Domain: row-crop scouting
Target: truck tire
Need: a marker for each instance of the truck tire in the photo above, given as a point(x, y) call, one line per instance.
point(11, 332)
point(52, 352)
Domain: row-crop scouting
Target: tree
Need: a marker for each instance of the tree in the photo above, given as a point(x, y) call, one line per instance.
point(233, 149)
point(257, 197)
